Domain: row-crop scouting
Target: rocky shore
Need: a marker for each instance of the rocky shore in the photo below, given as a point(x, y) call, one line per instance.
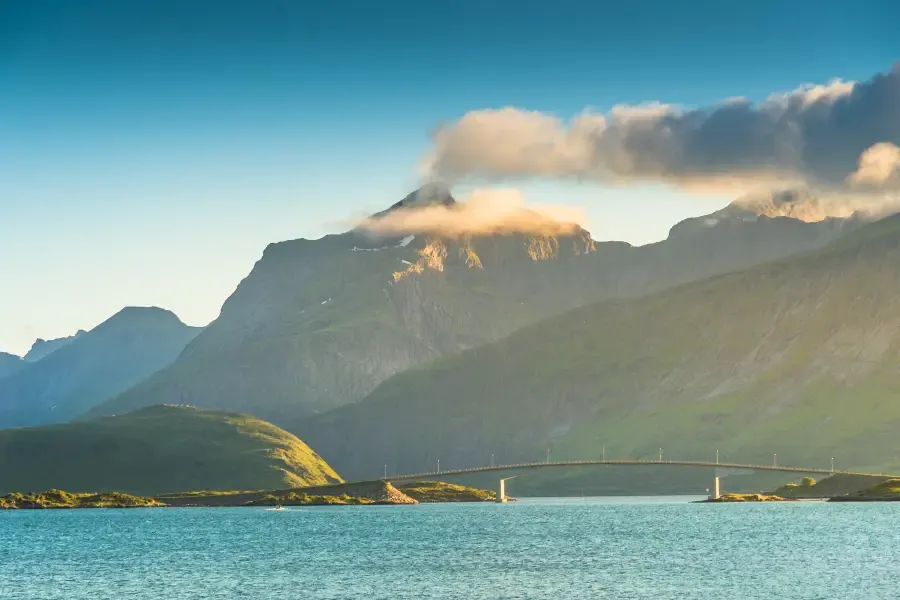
point(346, 494)
point(54, 499)
point(745, 498)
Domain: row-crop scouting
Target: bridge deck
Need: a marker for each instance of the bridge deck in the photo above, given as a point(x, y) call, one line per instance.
point(624, 463)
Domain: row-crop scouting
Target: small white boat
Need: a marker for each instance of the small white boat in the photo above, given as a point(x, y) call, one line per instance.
point(277, 507)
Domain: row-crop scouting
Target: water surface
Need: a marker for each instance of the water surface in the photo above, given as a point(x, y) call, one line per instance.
point(617, 548)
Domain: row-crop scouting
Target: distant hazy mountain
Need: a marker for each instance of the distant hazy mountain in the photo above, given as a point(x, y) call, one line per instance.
point(42, 348)
point(797, 357)
point(96, 365)
point(157, 450)
point(318, 324)
point(9, 364)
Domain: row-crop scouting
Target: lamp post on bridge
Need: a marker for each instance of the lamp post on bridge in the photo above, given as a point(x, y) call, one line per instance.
point(385, 471)
point(548, 455)
point(492, 459)
point(717, 457)
point(832, 465)
point(775, 460)
point(660, 455)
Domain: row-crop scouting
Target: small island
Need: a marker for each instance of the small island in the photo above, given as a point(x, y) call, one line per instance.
point(353, 494)
point(746, 498)
point(886, 491)
point(439, 491)
point(62, 499)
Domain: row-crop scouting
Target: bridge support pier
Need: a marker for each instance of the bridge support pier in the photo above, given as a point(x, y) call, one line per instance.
point(501, 492)
point(714, 488)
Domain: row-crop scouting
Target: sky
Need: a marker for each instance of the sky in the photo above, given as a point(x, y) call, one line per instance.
point(150, 150)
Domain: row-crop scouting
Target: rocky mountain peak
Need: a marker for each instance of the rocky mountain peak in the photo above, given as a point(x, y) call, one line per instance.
point(429, 194)
point(42, 347)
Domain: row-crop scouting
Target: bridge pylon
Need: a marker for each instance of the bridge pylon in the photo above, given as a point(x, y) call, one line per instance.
point(718, 473)
point(502, 498)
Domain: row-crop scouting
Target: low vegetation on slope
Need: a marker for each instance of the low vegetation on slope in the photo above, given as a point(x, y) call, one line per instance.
point(835, 485)
point(888, 490)
point(62, 499)
point(439, 491)
point(159, 449)
point(796, 358)
point(366, 492)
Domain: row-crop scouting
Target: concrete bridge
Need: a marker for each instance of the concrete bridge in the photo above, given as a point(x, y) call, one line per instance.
point(718, 470)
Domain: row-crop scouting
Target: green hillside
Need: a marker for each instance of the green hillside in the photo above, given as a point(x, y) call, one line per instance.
point(797, 358)
point(158, 449)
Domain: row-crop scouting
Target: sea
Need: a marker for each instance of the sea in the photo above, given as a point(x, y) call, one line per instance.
point(560, 549)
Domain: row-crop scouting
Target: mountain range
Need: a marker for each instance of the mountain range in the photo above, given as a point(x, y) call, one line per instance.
point(319, 324)
point(796, 357)
point(92, 366)
point(762, 328)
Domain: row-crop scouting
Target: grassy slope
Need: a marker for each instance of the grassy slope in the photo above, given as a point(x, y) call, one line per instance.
point(156, 450)
point(439, 491)
point(888, 490)
point(797, 357)
point(835, 485)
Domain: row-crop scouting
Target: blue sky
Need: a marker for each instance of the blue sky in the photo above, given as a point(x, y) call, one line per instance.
point(150, 150)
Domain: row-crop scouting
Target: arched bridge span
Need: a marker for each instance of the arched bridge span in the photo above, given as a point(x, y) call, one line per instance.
point(721, 469)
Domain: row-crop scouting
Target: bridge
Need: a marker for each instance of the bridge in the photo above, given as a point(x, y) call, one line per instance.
point(719, 470)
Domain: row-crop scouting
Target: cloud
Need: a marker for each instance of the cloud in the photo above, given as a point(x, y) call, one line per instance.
point(879, 167)
point(813, 136)
point(484, 211)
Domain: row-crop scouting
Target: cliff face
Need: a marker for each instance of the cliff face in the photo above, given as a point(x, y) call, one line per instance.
point(320, 323)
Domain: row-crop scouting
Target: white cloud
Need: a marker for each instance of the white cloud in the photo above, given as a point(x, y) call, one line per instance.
point(879, 167)
point(810, 136)
point(484, 211)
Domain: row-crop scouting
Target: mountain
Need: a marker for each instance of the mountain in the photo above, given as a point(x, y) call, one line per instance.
point(42, 348)
point(9, 364)
point(321, 323)
point(157, 450)
point(796, 358)
point(94, 366)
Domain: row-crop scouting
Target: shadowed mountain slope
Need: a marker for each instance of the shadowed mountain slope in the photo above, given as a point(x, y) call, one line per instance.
point(9, 364)
point(93, 367)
